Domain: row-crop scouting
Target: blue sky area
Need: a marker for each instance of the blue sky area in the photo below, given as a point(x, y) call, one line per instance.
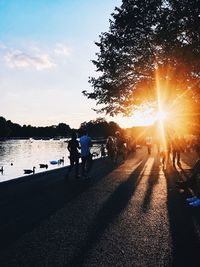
point(46, 48)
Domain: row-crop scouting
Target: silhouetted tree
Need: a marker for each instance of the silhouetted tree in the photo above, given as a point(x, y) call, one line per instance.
point(100, 127)
point(4, 130)
point(63, 129)
point(145, 37)
point(10, 129)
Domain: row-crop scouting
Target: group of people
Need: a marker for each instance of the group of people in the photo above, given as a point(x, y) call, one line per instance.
point(173, 146)
point(116, 147)
point(74, 155)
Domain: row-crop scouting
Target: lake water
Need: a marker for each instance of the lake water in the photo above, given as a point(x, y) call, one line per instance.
point(17, 155)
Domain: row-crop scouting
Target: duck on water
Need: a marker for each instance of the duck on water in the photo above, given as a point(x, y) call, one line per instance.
point(44, 166)
point(29, 171)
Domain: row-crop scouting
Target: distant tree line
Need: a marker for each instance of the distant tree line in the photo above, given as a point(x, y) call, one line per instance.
point(96, 128)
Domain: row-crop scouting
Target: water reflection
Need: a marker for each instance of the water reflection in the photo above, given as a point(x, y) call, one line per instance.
point(17, 155)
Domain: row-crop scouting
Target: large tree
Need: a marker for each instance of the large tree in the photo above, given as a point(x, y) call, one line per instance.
point(150, 45)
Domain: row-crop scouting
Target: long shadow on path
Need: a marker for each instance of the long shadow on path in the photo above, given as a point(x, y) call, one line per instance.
point(152, 181)
point(109, 212)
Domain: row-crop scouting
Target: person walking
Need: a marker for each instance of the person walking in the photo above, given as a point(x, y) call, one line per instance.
point(73, 147)
point(86, 156)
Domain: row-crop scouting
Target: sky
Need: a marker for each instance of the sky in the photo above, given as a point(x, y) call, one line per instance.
point(46, 48)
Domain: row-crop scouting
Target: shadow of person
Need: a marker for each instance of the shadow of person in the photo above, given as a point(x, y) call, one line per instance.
point(108, 213)
point(152, 181)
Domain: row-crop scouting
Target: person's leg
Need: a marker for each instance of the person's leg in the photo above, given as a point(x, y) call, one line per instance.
point(70, 167)
point(83, 159)
point(76, 167)
point(89, 163)
point(164, 158)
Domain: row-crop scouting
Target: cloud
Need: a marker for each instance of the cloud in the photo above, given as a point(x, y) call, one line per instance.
point(61, 49)
point(34, 56)
point(19, 59)
point(2, 46)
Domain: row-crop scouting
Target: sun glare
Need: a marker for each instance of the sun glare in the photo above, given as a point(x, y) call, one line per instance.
point(171, 108)
point(161, 115)
point(142, 117)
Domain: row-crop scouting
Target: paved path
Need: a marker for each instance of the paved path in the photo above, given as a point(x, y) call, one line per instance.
point(126, 215)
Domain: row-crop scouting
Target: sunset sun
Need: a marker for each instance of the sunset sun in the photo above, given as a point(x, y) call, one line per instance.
point(161, 116)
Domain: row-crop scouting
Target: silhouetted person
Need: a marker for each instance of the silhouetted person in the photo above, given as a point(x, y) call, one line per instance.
point(86, 156)
point(165, 150)
point(149, 144)
point(120, 146)
point(176, 150)
point(103, 152)
point(73, 147)
point(111, 148)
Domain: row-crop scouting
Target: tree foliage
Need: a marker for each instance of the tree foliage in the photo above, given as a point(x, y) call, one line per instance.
point(100, 127)
point(147, 37)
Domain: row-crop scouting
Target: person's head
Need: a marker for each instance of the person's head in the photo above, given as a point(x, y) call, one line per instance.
point(109, 139)
point(73, 135)
point(117, 133)
point(83, 131)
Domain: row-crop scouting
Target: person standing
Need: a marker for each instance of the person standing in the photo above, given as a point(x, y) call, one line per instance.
point(165, 150)
point(176, 150)
point(120, 147)
point(111, 148)
point(73, 147)
point(86, 156)
point(149, 144)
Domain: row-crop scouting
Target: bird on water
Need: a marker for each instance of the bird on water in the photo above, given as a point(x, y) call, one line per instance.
point(27, 171)
point(44, 166)
point(61, 160)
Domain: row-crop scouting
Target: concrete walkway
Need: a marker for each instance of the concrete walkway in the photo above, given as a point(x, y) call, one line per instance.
point(125, 215)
